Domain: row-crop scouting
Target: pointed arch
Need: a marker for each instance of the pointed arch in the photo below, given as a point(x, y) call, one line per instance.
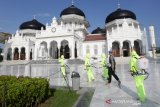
point(116, 49)
point(126, 48)
point(16, 53)
point(43, 50)
point(138, 46)
point(22, 54)
point(53, 50)
point(65, 50)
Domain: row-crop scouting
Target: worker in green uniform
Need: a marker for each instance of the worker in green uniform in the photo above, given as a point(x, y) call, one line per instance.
point(89, 68)
point(104, 66)
point(138, 79)
point(61, 61)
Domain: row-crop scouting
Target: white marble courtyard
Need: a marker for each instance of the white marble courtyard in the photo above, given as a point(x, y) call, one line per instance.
point(104, 95)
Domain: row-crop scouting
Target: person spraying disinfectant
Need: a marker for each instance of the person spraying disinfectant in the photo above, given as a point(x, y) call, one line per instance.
point(104, 66)
point(138, 78)
point(88, 68)
point(63, 70)
point(62, 63)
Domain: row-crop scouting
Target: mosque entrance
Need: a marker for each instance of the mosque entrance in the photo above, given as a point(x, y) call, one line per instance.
point(125, 48)
point(53, 50)
point(138, 47)
point(16, 54)
point(65, 50)
point(43, 50)
point(115, 49)
point(22, 54)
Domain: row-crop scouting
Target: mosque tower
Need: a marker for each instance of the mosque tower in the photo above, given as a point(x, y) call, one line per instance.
point(152, 40)
point(74, 19)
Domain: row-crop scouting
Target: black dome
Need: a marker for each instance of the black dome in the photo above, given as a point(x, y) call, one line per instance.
point(120, 14)
point(98, 31)
point(34, 24)
point(72, 10)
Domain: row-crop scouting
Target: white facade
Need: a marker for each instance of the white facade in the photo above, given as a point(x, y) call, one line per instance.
point(123, 35)
point(94, 48)
point(66, 36)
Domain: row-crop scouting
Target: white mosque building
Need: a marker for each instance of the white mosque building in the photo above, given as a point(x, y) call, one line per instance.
point(69, 36)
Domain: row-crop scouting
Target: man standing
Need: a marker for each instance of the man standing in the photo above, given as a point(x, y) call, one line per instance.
point(89, 68)
point(111, 69)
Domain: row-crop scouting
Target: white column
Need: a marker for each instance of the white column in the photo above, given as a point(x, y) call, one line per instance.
point(132, 45)
point(19, 51)
point(48, 47)
point(59, 47)
point(153, 43)
point(139, 29)
point(121, 50)
point(117, 27)
point(12, 57)
point(5, 54)
point(27, 53)
point(78, 49)
point(132, 25)
point(71, 46)
point(35, 52)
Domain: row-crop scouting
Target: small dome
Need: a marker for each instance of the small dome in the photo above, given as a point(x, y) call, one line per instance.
point(98, 31)
point(120, 14)
point(72, 10)
point(34, 24)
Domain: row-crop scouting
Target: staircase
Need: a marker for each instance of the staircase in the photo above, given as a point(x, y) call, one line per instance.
point(54, 61)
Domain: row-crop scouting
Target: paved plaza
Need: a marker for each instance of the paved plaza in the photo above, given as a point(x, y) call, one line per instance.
point(101, 95)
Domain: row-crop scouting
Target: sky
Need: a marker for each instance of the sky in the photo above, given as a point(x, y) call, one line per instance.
point(14, 12)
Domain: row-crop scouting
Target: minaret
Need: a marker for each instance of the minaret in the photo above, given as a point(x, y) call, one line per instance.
point(152, 40)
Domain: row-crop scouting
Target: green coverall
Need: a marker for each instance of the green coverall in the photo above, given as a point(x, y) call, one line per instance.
point(104, 65)
point(89, 68)
point(139, 79)
point(61, 61)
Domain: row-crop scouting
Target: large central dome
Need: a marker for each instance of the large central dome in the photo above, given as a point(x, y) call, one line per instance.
point(72, 10)
point(120, 14)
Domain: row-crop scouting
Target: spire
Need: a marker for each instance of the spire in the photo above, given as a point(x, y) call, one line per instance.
point(72, 2)
point(118, 4)
point(34, 16)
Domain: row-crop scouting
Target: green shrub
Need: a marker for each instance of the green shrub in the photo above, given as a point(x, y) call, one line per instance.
point(23, 91)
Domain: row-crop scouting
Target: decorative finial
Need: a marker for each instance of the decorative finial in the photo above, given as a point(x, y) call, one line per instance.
point(118, 4)
point(34, 16)
point(72, 2)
